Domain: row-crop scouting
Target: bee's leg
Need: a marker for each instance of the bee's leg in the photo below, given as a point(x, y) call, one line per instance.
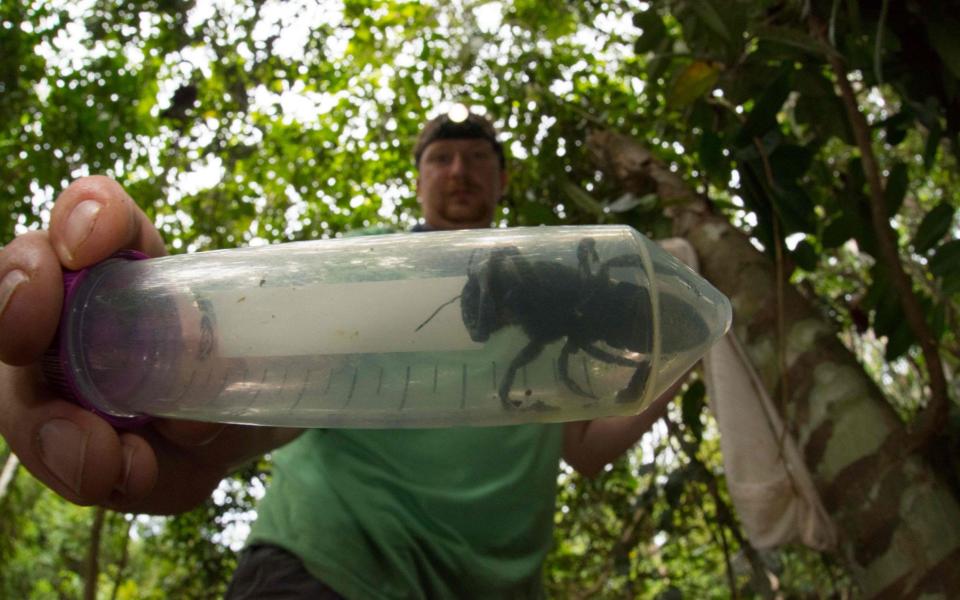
point(530, 352)
point(637, 381)
point(624, 260)
point(607, 357)
point(562, 369)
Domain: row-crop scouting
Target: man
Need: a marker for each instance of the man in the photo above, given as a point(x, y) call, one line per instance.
point(357, 513)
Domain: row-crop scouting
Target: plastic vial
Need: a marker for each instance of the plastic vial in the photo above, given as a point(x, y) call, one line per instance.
point(477, 327)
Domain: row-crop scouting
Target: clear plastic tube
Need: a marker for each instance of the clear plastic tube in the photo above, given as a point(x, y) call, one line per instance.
point(480, 327)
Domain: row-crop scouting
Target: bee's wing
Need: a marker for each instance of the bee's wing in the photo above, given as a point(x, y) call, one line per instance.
point(682, 325)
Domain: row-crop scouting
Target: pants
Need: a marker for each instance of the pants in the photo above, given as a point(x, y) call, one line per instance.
point(270, 572)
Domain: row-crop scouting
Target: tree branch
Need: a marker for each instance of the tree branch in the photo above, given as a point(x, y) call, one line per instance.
point(92, 570)
point(724, 518)
point(778, 258)
point(932, 419)
point(124, 558)
point(7, 474)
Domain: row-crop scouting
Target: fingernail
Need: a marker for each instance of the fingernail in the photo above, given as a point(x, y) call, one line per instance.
point(10, 282)
point(80, 224)
point(63, 447)
point(121, 488)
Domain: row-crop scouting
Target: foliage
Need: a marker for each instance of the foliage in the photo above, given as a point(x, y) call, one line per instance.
point(44, 553)
point(659, 524)
point(260, 122)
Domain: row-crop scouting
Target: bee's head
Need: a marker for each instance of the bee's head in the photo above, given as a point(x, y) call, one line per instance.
point(489, 283)
point(476, 303)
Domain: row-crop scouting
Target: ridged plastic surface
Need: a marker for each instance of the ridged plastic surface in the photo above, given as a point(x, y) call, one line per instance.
point(483, 327)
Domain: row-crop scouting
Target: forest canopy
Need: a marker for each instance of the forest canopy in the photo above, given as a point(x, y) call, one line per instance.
point(824, 132)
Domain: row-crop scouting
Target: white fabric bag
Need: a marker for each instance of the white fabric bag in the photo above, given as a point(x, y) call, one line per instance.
point(770, 486)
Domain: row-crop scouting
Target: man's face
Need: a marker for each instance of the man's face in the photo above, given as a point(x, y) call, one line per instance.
point(460, 183)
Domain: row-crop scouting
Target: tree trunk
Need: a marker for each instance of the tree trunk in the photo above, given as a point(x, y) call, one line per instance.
point(93, 555)
point(899, 523)
point(122, 565)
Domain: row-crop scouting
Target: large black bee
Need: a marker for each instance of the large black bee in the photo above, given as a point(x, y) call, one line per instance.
point(551, 301)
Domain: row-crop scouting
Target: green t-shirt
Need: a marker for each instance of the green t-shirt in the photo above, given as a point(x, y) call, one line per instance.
point(426, 513)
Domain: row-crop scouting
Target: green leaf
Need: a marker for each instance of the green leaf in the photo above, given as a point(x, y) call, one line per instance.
point(693, 81)
point(946, 261)
point(932, 145)
point(581, 198)
point(896, 188)
point(806, 256)
point(795, 209)
point(818, 106)
point(712, 159)
point(899, 341)
point(937, 320)
point(789, 36)
point(887, 314)
point(628, 202)
point(692, 407)
point(653, 30)
point(951, 283)
point(670, 593)
point(660, 61)
point(763, 116)
point(933, 227)
point(877, 289)
point(837, 232)
point(709, 15)
point(535, 213)
point(672, 490)
point(943, 37)
point(790, 162)
point(895, 135)
point(665, 522)
point(895, 127)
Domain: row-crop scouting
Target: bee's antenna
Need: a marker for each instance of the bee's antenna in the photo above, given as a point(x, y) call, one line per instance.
point(441, 307)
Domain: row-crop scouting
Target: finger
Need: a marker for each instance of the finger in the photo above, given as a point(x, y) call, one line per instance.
point(185, 477)
point(188, 433)
point(93, 218)
point(181, 474)
point(139, 472)
point(71, 450)
point(31, 296)
point(192, 461)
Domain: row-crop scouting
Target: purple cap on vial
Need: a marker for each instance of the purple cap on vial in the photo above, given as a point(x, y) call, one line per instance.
point(57, 365)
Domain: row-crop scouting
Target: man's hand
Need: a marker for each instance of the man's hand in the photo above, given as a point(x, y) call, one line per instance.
point(589, 446)
point(166, 467)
